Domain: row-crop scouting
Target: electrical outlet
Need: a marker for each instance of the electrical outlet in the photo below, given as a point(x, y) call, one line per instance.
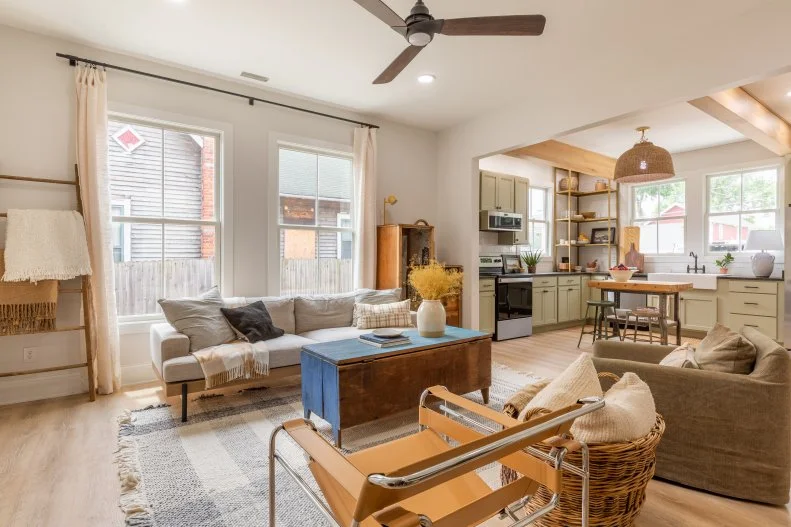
point(28, 354)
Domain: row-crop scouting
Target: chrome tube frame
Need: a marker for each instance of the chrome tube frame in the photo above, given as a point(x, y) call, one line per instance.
point(398, 482)
point(583, 472)
point(274, 456)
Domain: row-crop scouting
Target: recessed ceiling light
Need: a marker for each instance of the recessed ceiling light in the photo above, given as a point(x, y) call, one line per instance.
point(788, 93)
point(426, 79)
point(254, 76)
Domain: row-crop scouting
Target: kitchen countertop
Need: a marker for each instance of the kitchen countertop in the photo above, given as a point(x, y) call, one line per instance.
point(772, 278)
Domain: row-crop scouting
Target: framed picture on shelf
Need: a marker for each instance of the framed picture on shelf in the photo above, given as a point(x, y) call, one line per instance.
point(603, 235)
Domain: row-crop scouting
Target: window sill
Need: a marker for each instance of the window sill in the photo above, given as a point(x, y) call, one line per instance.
point(138, 325)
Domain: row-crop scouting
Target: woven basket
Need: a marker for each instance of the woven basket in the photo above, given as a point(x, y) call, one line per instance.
point(619, 474)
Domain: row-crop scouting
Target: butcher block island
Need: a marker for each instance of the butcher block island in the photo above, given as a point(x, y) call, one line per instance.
point(663, 290)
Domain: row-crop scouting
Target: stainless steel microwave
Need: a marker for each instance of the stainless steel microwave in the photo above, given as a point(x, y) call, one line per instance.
point(495, 220)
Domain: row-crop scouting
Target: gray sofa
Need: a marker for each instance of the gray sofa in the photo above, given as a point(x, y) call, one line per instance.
point(305, 319)
point(725, 433)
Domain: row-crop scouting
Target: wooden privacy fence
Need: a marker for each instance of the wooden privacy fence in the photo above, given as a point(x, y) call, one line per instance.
point(138, 285)
point(309, 277)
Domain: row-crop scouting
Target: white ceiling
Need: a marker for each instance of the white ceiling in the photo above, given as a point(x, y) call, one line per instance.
point(332, 50)
point(773, 94)
point(678, 128)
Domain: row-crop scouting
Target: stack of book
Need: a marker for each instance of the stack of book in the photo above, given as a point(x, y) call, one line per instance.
point(383, 342)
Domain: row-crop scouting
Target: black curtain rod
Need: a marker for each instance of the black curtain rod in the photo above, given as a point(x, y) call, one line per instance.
point(251, 100)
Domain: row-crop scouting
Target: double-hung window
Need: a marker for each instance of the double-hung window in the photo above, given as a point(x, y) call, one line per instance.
point(538, 222)
point(659, 209)
point(316, 234)
point(164, 203)
point(739, 202)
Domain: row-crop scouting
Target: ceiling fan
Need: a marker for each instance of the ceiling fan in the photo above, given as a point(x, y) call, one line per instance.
point(420, 27)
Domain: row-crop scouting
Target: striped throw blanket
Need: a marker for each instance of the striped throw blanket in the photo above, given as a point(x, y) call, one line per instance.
point(233, 361)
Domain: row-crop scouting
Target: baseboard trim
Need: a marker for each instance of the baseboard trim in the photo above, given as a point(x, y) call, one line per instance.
point(137, 374)
point(43, 386)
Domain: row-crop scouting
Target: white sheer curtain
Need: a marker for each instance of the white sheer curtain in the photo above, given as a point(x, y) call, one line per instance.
point(365, 210)
point(91, 141)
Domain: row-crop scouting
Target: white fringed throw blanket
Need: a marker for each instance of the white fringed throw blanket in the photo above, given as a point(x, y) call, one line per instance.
point(236, 360)
point(45, 245)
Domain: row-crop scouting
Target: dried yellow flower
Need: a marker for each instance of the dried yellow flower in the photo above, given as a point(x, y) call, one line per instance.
point(434, 282)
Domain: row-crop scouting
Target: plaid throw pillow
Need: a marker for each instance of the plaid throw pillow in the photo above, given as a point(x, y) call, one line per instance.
point(395, 315)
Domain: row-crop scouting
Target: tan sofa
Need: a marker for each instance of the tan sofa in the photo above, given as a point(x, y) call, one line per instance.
point(305, 319)
point(726, 433)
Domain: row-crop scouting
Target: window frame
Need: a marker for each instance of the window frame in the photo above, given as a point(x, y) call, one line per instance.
point(778, 210)
point(633, 214)
point(307, 145)
point(217, 223)
point(547, 249)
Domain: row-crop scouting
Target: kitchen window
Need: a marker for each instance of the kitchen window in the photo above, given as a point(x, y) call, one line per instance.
point(659, 209)
point(739, 202)
point(316, 234)
point(165, 224)
point(538, 221)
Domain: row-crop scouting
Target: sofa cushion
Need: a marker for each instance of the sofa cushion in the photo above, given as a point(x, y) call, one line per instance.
point(629, 413)
point(578, 381)
point(281, 309)
point(681, 357)
point(323, 311)
point(725, 351)
point(283, 351)
point(771, 360)
point(200, 319)
point(252, 322)
point(374, 297)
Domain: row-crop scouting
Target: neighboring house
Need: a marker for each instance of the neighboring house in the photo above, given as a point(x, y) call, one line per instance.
point(140, 182)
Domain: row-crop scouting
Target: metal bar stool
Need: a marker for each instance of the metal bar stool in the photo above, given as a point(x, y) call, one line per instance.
point(600, 323)
point(643, 316)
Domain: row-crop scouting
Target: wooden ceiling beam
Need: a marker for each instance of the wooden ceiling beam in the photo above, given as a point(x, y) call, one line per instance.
point(569, 157)
point(742, 112)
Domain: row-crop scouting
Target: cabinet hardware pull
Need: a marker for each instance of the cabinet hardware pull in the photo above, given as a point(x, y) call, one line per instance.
point(751, 287)
point(751, 325)
point(751, 303)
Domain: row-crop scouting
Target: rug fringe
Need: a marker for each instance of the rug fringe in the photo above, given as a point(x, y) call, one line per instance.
point(133, 499)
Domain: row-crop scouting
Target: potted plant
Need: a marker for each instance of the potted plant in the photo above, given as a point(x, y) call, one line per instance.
point(531, 259)
point(433, 283)
point(724, 262)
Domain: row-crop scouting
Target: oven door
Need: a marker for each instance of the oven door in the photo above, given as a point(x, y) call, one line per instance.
point(514, 308)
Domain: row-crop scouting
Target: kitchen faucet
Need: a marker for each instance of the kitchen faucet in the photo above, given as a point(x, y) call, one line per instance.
point(696, 268)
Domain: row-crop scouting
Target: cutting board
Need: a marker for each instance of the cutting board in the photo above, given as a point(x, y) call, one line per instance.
point(633, 258)
point(630, 236)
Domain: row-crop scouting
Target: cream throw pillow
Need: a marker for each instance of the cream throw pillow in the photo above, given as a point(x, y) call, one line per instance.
point(578, 381)
point(393, 315)
point(726, 351)
point(629, 413)
point(681, 357)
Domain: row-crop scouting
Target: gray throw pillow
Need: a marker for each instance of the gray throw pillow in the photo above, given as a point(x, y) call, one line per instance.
point(323, 311)
point(252, 322)
point(725, 351)
point(200, 319)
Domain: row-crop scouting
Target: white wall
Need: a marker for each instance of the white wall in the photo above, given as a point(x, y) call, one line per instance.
point(658, 69)
point(36, 139)
point(693, 167)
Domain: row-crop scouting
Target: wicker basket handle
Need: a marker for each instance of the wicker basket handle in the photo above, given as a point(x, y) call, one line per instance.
point(608, 375)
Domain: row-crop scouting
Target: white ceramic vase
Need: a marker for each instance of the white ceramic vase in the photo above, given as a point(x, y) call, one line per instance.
point(431, 318)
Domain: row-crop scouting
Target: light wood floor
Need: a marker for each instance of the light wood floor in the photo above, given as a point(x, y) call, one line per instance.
point(56, 456)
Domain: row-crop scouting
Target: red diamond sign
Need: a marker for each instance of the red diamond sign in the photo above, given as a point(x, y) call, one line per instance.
point(128, 139)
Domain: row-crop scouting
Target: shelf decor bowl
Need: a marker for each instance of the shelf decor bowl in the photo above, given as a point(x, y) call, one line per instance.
point(588, 215)
point(621, 276)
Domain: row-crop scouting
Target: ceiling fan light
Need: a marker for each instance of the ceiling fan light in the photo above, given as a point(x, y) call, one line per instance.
point(644, 162)
point(419, 39)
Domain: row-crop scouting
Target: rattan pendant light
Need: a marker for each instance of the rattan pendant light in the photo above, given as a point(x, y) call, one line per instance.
point(644, 162)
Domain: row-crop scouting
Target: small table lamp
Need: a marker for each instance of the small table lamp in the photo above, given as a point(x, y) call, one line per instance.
point(763, 262)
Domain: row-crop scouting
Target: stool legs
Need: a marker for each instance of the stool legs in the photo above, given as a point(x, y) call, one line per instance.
point(585, 323)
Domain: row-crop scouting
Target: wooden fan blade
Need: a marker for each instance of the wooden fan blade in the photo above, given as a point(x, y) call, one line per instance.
point(398, 65)
point(382, 11)
point(515, 25)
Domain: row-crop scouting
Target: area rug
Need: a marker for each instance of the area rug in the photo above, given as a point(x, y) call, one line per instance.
point(213, 470)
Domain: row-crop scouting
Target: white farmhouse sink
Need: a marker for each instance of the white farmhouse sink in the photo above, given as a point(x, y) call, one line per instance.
point(698, 281)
